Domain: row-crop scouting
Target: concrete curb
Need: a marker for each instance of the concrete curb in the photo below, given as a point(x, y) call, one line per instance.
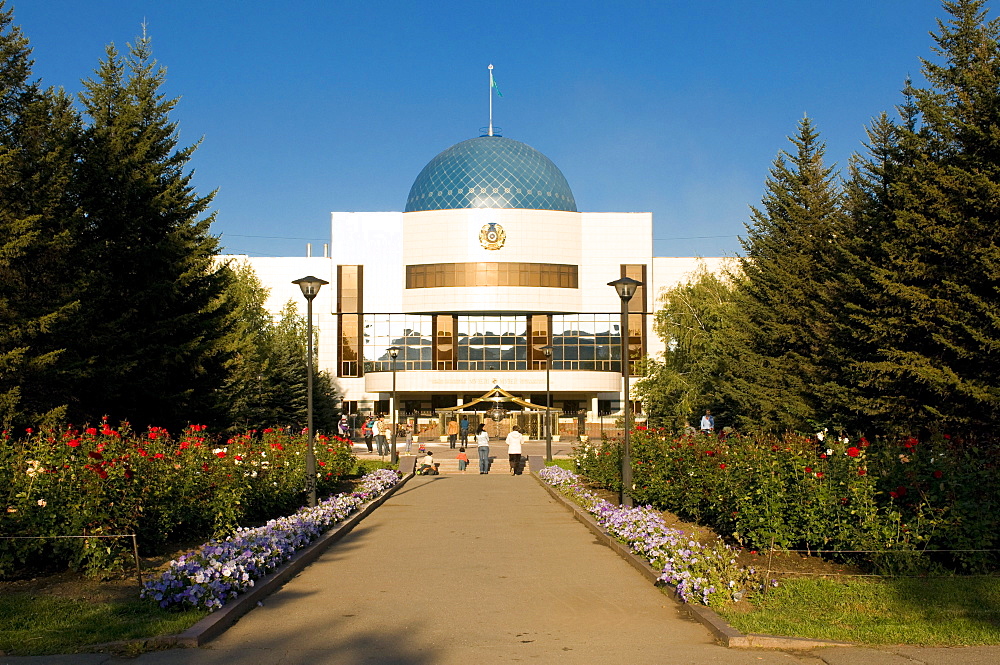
point(217, 622)
point(722, 631)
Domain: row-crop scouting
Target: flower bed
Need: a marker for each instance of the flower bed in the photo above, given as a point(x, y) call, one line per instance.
point(891, 506)
point(163, 487)
point(701, 573)
point(222, 569)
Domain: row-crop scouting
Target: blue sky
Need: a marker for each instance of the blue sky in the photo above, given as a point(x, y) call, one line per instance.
point(677, 107)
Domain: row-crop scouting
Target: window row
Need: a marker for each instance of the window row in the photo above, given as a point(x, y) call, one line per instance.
point(437, 275)
point(488, 343)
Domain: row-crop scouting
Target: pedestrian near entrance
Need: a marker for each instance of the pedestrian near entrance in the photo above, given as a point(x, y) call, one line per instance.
point(464, 426)
point(366, 432)
point(463, 459)
point(380, 430)
point(483, 448)
point(409, 427)
point(452, 433)
point(514, 441)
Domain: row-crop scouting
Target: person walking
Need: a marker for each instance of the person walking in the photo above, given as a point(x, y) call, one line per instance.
point(483, 448)
point(366, 432)
point(452, 433)
point(380, 430)
point(463, 459)
point(514, 441)
point(409, 427)
point(464, 427)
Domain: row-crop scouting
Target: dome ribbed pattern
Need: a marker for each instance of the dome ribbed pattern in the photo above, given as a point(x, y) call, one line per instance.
point(490, 172)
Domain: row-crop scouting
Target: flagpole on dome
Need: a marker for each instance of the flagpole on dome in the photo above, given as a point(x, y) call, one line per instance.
point(489, 132)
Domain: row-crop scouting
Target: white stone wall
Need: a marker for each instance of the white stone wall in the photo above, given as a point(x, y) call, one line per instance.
point(609, 240)
point(374, 240)
point(276, 275)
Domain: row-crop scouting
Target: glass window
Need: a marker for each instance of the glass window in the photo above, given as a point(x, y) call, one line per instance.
point(410, 332)
point(636, 271)
point(437, 275)
point(349, 289)
point(585, 341)
point(349, 344)
point(492, 343)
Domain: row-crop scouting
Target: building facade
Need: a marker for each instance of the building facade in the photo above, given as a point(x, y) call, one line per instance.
point(488, 263)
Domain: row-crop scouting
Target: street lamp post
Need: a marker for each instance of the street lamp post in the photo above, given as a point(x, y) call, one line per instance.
point(626, 287)
point(393, 453)
point(310, 287)
point(547, 350)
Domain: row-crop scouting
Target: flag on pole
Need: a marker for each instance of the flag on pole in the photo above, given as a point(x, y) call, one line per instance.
point(493, 84)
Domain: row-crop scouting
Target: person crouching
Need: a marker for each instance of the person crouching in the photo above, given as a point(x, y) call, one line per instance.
point(427, 465)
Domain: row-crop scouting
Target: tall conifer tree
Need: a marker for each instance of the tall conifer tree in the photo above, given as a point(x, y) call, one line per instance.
point(38, 216)
point(150, 349)
point(860, 321)
point(779, 368)
point(934, 326)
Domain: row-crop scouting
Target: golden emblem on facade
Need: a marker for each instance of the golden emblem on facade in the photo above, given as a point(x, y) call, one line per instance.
point(492, 236)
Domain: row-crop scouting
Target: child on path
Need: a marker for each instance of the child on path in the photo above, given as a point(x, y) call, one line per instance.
point(463, 459)
point(427, 464)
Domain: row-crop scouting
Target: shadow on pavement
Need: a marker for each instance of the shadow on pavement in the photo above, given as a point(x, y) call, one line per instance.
point(323, 639)
point(419, 483)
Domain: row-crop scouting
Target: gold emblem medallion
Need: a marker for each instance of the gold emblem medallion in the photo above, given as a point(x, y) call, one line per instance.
point(492, 236)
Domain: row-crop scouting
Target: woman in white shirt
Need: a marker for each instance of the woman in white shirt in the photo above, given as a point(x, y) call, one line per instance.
point(514, 440)
point(483, 448)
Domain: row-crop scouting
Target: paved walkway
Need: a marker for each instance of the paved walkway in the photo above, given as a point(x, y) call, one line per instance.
point(480, 569)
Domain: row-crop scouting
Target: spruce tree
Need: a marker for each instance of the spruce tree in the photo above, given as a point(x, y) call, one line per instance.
point(934, 326)
point(38, 217)
point(777, 369)
point(151, 347)
point(284, 400)
point(862, 318)
point(249, 344)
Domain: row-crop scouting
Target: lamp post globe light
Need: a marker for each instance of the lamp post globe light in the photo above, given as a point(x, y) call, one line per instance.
point(497, 413)
point(547, 350)
point(625, 287)
point(310, 287)
point(393, 352)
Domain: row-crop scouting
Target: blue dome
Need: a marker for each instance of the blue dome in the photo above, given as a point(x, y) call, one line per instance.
point(490, 172)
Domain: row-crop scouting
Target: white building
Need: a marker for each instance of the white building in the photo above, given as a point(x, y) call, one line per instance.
point(489, 262)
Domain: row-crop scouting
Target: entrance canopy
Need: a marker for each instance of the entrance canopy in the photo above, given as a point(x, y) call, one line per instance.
point(497, 391)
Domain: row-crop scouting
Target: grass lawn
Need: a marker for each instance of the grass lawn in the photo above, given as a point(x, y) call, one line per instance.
point(568, 464)
point(950, 611)
point(34, 625)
